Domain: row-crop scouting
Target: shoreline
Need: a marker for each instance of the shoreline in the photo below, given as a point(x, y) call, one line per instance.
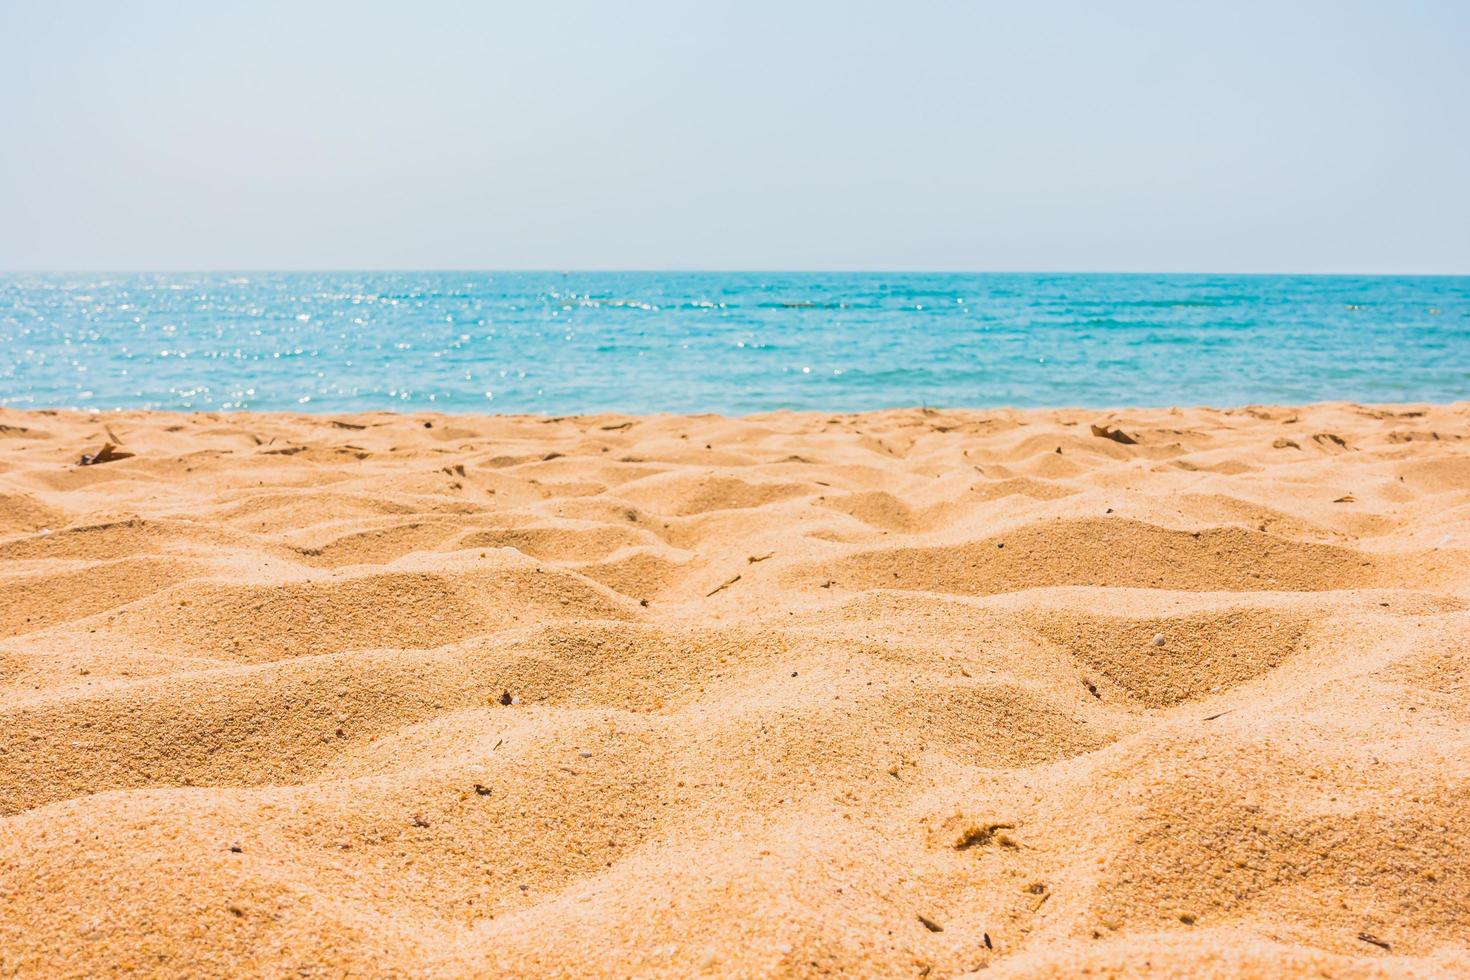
point(918, 691)
point(1108, 409)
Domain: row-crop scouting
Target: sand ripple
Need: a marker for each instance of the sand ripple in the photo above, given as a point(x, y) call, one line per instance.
point(912, 693)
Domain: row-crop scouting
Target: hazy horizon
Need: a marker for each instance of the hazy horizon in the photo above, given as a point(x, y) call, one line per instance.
point(1326, 139)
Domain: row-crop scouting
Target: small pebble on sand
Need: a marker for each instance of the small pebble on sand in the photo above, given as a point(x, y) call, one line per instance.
point(1158, 639)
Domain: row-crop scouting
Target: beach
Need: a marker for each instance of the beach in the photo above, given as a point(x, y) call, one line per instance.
point(916, 692)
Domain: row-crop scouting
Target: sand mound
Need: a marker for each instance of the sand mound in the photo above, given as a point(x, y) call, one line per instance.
point(913, 693)
point(1109, 553)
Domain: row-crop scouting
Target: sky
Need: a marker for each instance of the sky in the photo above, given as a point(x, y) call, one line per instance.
point(1071, 136)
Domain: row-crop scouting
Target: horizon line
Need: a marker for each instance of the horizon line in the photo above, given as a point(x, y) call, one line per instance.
point(518, 270)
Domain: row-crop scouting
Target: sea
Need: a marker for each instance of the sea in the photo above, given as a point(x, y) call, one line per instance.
point(560, 343)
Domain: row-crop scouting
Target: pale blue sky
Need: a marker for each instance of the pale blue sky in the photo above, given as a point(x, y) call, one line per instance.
point(1231, 136)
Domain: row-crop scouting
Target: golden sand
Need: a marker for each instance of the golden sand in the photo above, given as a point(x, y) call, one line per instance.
point(912, 693)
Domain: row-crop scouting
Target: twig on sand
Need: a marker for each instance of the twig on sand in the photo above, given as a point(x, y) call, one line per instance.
point(106, 454)
point(720, 588)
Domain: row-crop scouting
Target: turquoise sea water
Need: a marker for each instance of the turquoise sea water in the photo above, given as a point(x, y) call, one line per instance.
point(561, 343)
